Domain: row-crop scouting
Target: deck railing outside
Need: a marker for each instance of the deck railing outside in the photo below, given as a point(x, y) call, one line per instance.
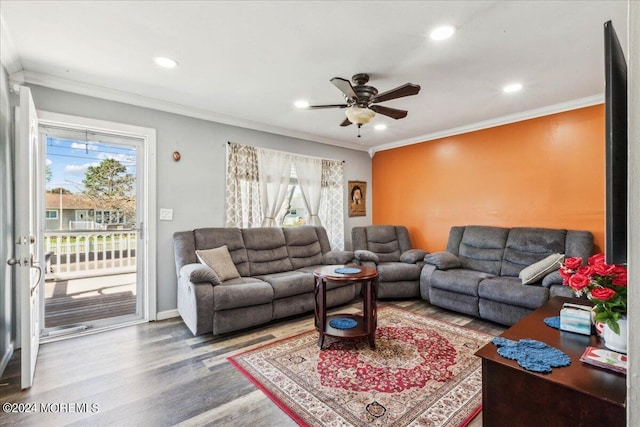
point(75, 251)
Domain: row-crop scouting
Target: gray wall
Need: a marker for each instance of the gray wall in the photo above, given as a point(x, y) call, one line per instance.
point(194, 187)
point(6, 221)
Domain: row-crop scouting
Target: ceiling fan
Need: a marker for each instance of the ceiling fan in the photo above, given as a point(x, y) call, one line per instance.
point(361, 100)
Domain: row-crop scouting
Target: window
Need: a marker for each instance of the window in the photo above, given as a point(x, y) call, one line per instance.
point(51, 214)
point(293, 212)
point(110, 217)
point(313, 193)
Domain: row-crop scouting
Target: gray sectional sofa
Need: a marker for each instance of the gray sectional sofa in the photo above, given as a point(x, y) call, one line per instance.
point(387, 248)
point(272, 278)
point(479, 272)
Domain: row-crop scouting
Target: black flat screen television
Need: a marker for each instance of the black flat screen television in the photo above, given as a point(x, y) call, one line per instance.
point(616, 148)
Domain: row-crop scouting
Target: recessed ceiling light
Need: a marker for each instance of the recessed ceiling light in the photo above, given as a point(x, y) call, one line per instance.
point(165, 62)
point(301, 103)
point(380, 126)
point(443, 32)
point(513, 87)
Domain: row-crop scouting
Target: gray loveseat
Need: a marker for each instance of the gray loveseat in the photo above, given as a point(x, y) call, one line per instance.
point(479, 272)
point(272, 279)
point(387, 248)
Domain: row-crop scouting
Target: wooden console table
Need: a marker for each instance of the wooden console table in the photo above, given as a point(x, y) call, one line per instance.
point(365, 324)
point(576, 395)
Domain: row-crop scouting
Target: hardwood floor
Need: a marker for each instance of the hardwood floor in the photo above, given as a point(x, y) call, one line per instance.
point(158, 374)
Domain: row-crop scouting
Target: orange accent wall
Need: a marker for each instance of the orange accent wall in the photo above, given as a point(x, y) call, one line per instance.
point(543, 172)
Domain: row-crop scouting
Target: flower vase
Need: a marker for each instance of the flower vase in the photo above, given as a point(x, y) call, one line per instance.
point(599, 326)
point(614, 341)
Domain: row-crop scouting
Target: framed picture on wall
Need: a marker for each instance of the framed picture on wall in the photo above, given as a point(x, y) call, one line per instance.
point(357, 198)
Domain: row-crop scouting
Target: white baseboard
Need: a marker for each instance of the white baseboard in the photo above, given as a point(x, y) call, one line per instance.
point(5, 358)
point(168, 314)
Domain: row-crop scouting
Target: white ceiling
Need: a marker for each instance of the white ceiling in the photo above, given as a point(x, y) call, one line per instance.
point(246, 62)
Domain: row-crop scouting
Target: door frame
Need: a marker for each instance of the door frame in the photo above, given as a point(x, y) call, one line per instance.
point(148, 137)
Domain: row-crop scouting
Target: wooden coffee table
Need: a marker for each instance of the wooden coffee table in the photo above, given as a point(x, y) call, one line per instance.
point(576, 395)
point(365, 324)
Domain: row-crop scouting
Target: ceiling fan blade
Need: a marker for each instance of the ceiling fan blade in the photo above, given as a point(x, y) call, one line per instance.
point(345, 123)
point(406, 89)
point(391, 112)
point(319, 107)
point(345, 86)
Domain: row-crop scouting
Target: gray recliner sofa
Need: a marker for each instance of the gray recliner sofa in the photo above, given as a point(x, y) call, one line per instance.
point(275, 268)
point(387, 248)
point(479, 272)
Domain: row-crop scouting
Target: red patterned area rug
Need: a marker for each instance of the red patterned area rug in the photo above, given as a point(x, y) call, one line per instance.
point(422, 372)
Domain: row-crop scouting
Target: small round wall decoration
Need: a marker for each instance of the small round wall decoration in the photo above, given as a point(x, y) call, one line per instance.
point(176, 156)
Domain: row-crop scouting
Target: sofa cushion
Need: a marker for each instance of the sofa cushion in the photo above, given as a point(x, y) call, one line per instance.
point(481, 248)
point(510, 290)
point(537, 271)
point(443, 260)
point(289, 283)
point(458, 280)
point(199, 273)
point(207, 238)
point(528, 245)
point(383, 241)
point(398, 271)
point(241, 292)
point(266, 250)
point(220, 261)
point(303, 245)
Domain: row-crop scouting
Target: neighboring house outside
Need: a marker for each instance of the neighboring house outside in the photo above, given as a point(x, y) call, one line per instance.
point(79, 212)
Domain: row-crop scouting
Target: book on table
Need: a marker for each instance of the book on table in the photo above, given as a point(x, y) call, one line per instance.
point(604, 358)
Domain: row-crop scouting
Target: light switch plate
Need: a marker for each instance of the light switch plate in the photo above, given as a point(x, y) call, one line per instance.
point(166, 214)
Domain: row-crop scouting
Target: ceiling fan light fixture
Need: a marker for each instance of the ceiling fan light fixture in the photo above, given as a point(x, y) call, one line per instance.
point(359, 115)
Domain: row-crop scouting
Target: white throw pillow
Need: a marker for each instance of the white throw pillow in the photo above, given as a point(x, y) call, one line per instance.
point(219, 259)
point(536, 272)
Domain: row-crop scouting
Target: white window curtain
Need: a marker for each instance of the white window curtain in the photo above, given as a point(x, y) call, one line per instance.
point(243, 208)
point(332, 202)
point(274, 171)
point(252, 203)
point(309, 172)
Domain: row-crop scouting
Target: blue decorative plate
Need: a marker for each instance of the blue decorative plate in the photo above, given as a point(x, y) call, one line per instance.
point(348, 270)
point(342, 323)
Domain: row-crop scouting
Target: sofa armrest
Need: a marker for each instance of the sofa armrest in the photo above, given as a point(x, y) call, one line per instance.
point(425, 280)
point(443, 260)
point(199, 273)
point(412, 256)
point(364, 255)
point(553, 278)
point(337, 257)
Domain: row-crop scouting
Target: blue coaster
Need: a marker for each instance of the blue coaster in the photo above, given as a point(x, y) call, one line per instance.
point(554, 322)
point(348, 270)
point(342, 323)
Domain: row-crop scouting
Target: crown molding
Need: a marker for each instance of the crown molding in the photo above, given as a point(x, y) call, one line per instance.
point(8, 54)
point(499, 121)
point(40, 79)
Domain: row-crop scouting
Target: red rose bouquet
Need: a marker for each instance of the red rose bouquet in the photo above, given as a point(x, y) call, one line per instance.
point(604, 284)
